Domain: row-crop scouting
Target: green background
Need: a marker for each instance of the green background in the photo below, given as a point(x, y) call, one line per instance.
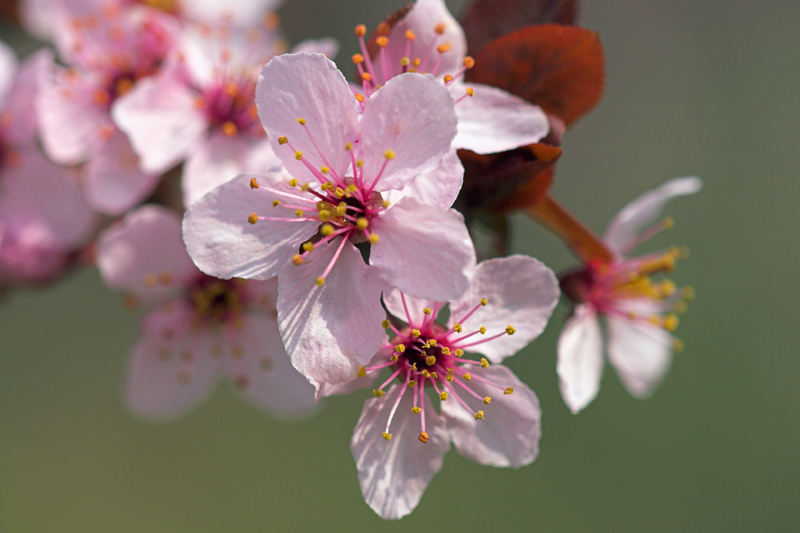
point(709, 88)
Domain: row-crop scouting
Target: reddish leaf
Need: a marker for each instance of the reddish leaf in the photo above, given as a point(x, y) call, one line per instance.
point(486, 20)
point(560, 68)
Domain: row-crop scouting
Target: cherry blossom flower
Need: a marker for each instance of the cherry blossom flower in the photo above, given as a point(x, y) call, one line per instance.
point(305, 228)
point(108, 52)
point(426, 38)
point(639, 312)
point(196, 329)
point(43, 216)
point(490, 415)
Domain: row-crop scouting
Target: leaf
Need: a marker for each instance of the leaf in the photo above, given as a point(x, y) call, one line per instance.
point(560, 68)
point(486, 20)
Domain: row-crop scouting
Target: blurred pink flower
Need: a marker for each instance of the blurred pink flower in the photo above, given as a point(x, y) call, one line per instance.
point(345, 163)
point(197, 329)
point(43, 216)
point(490, 416)
point(428, 39)
point(639, 313)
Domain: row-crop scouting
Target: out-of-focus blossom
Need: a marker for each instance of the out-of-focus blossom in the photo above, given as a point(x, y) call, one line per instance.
point(426, 38)
point(304, 229)
point(43, 216)
point(108, 52)
point(639, 312)
point(490, 416)
point(197, 329)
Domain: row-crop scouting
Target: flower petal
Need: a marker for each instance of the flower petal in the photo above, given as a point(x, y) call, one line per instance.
point(20, 123)
point(414, 117)
point(161, 120)
point(364, 382)
point(640, 352)
point(393, 300)
point(265, 376)
point(643, 211)
point(438, 187)
point(330, 331)
point(237, 12)
point(509, 433)
point(170, 370)
point(223, 244)
point(393, 474)
point(580, 358)
point(493, 120)
point(424, 251)
point(520, 292)
point(308, 86)
point(144, 254)
point(326, 45)
point(8, 70)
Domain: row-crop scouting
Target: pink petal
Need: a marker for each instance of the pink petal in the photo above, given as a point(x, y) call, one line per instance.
point(509, 433)
point(222, 243)
point(308, 86)
point(162, 122)
point(144, 254)
point(171, 369)
point(438, 187)
point(264, 375)
point(580, 358)
point(640, 352)
point(326, 45)
point(520, 291)
point(114, 182)
point(394, 474)
point(219, 158)
point(20, 103)
point(236, 12)
point(364, 382)
point(330, 331)
point(643, 211)
point(495, 121)
point(408, 228)
point(394, 304)
point(414, 117)
point(8, 71)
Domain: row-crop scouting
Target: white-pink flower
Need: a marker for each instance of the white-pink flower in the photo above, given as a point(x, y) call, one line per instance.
point(43, 216)
point(108, 52)
point(639, 313)
point(428, 39)
point(197, 329)
point(490, 415)
point(305, 228)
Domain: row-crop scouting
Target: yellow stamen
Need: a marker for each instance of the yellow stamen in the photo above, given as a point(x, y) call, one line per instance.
point(373, 238)
point(415, 332)
point(308, 246)
point(509, 390)
point(423, 437)
point(282, 140)
point(440, 28)
point(487, 400)
point(482, 330)
point(470, 92)
point(362, 223)
point(229, 128)
point(326, 229)
point(297, 259)
point(467, 376)
point(442, 48)
point(361, 30)
point(357, 59)
point(387, 436)
point(388, 154)
point(430, 360)
point(411, 383)
point(459, 352)
point(320, 281)
point(301, 121)
point(292, 182)
point(443, 396)
point(377, 393)
point(253, 183)
point(484, 363)
point(362, 372)
point(445, 351)
point(298, 155)
point(457, 328)
point(400, 348)
point(252, 218)
point(484, 301)
point(510, 330)
point(469, 62)
point(382, 41)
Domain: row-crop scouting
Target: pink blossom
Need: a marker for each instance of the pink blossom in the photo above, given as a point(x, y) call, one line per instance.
point(196, 329)
point(108, 52)
point(44, 219)
point(304, 229)
point(639, 312)
point(428, 39)
point(490, 415)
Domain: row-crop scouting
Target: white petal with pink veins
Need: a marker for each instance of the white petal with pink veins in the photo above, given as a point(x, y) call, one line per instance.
point(493, 120)
point(640, 352)
point(310, 87)
point(224, 244)
point(170, 369)
point(645, 210)
point(580, 358)
point(438, 187)
point(414, 117)
point(264, 375)
point(509, 433)
point(424, 251)
point(144, 254)
point(394, 474)
point(330, 331)
point(520, 291)
point(162, 122)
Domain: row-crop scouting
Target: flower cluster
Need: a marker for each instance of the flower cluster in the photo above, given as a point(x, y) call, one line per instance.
point(301, 236)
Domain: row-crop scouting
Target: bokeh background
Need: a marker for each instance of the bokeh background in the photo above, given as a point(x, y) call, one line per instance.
point(709, 88)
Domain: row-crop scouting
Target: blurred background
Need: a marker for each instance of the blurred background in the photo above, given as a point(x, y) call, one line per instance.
point(694, 88)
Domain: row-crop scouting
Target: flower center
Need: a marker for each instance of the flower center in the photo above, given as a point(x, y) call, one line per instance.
point(217, 302)
point(229, 106)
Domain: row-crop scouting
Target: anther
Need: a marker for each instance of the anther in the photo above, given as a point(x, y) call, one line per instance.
point(484, 301)
point(482, 330)
point(443, 396)
point(415, 332)
point(410, 35)
point(308, 246)
point(298, 155)
point(459, 352)
point(360, 98)
point(299, 213)
point(448, 78)
point(377, 393)
point(411, 383)
point(253, 183)
point(361, 30)
point(433, 342)
point(341, 209)
point(252, 218)
point(382, 41)
point(510, 330)
point(357, 59)
point(387, 436)
point(292, 182)
point(470, 91)
point(304, 187)
point(348, 146)
point(324, 214)
point(388, 154)
point(282, 140)
point(373, 238)
point(404, 61)
point(229, 128)
point(457, 328)
point(445, 351)
point(467, 376)
point(339, 192)
point(487, 400)
point(362, 372)
point(385, 324)
point(508, 391)
point(297, 259)
point(366, 76)
point(484, 363)
point(326, 229)
point(430, 360)
point(469, 62)
point(320, 281)
point(440, 28)
point(479, 415)
point(324, 170)
point(416, 410)
point(423, 437)
point(400, 348)
point(442, 48)
point(670, 322)
point(362, 223)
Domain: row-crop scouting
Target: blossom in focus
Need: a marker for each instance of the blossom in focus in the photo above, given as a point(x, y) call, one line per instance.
point(197, 329)
point(305, 228)
point(490, 416)
point(640, 313)
point(44, 219)
point(107, 53)
point(426, 38)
